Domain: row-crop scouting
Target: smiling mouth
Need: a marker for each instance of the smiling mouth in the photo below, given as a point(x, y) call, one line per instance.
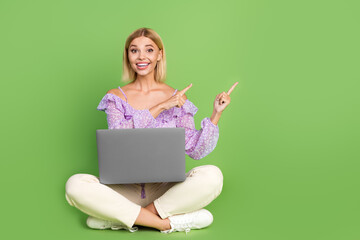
point(142, 66)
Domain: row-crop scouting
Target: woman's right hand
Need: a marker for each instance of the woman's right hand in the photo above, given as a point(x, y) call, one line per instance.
point(177, 100)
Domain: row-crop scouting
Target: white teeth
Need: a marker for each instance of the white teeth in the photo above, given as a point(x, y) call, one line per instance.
point(142, 64)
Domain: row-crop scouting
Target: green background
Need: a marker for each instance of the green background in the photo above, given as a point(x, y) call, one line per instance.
point(288, 145)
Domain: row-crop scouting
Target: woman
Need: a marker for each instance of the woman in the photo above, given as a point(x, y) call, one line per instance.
point(147, 102)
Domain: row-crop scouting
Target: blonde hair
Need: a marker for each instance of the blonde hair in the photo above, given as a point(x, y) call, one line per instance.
point(160, 70)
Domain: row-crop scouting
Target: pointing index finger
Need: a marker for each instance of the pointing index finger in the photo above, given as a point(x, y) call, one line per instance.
point(185, 89)
point(232, 88)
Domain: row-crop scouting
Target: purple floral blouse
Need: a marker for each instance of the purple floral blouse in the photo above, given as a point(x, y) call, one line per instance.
point(198, 143)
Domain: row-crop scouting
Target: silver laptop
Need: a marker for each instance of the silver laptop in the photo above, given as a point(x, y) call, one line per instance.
point(141, 155)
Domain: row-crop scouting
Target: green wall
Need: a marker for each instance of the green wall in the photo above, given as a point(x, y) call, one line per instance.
point(288, 145)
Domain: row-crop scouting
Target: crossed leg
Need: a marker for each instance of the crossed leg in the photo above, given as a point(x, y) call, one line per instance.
point(203, 184)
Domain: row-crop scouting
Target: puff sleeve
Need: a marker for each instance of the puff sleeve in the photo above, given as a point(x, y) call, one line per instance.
point(198, 143)
point(120, 115)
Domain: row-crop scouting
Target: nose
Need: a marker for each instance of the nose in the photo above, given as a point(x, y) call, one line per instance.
point(141, 55)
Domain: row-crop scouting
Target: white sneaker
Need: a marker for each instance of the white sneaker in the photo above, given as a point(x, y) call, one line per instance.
point(194, 220)
point(97, 223)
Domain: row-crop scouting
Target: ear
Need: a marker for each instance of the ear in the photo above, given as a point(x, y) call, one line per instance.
point(160, 55)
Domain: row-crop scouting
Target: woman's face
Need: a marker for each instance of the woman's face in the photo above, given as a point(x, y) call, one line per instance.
point(143, 55)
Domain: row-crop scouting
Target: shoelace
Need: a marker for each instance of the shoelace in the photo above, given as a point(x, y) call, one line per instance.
point(133, 229)
point(118, 227)
point(172, 230)
point(183, 225)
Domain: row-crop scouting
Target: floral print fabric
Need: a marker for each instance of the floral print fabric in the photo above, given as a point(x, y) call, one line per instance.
point(198, 143)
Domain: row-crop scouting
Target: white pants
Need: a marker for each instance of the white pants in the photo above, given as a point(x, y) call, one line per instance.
point(122, 202)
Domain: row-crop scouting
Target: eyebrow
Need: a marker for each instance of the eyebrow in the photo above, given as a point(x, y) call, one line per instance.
point(145, 45)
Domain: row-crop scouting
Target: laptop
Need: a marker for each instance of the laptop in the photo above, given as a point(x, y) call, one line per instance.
point(141, 155)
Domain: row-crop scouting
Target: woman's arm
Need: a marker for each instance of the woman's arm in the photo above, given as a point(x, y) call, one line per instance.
point(222, 100)
point(198, 143)
point(116, 118)
point(174, 101)
point(215, 117)
point(156, 110)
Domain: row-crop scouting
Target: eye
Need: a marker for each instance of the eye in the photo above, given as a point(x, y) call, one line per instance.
point(132, 50)
point(151, 50)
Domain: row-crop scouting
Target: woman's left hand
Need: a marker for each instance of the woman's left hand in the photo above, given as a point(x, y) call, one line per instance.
point(222, 100)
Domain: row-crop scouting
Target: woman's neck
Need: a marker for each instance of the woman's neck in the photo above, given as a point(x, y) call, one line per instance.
point(145, 83)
